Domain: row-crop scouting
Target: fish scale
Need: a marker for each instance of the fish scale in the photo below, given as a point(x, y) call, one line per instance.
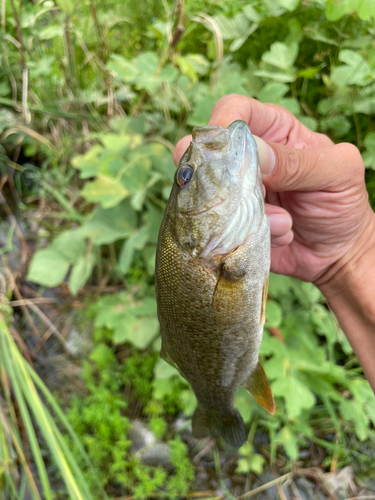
point(211, 305)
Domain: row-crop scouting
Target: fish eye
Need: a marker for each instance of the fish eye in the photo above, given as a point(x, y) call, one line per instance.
point(184, 175)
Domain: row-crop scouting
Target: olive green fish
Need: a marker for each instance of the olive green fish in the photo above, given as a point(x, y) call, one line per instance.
point(212, 269)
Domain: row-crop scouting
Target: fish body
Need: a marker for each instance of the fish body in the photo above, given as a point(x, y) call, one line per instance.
point(212, 269)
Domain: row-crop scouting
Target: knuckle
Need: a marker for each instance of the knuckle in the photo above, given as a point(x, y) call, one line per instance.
point(350, 154)
point(224, 100)
point(290, 166)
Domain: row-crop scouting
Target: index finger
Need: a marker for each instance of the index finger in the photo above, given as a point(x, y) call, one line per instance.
point(269, 121)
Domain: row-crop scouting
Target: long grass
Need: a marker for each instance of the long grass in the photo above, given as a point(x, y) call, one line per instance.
point(26, 423)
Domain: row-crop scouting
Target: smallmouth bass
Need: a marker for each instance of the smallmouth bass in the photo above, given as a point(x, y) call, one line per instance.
point(212, 268)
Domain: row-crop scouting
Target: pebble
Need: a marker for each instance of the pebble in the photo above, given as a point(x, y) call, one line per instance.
point(145, 446)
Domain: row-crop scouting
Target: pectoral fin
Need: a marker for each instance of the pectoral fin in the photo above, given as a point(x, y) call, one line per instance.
point(258, 386)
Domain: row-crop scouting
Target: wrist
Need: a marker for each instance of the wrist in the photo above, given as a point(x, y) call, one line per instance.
point(355, 267)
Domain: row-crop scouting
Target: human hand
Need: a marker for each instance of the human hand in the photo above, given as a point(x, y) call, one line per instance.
point(311, 182)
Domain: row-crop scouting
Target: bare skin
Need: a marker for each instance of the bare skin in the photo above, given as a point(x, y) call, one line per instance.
point(319, 188)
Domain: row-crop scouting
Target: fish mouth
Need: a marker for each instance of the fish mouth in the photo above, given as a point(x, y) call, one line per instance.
point(189, 214)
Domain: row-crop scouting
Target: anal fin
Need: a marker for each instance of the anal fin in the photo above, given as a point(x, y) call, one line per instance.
point(258, 386)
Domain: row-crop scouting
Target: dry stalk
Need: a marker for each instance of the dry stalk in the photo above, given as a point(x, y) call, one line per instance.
point(206, 448)
point(51, 326)
point(17, 293)
point(274, 482)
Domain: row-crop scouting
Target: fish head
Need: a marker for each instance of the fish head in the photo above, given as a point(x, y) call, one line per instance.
point(217, 194)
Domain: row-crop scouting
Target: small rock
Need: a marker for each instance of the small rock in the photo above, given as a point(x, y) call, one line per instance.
point(141, 436)
point(147, 448)
point(156, 454)
point(182, 424)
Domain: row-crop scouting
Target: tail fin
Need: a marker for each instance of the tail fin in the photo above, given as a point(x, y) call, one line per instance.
point(229, 426)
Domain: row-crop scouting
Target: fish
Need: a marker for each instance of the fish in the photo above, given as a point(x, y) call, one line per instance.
point(211, 277)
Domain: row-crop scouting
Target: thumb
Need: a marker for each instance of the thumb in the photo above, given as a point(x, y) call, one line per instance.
point(180, 148)
point(289, 169)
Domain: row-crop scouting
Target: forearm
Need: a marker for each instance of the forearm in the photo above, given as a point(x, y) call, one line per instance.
point(350, 293)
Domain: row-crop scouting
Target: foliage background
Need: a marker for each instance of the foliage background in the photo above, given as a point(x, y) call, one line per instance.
point(93, 98)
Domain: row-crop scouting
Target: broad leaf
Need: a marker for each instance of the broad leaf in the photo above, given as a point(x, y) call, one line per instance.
point(48, 267)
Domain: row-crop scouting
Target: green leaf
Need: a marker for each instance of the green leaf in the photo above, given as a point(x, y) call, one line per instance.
point(188, 401)
point(350, 57)
point(48, 268)
point(153, 218)
point(319, 386)
point(122, 68)
point(366, 106)
point(89, 163)
point(149, 253)
point(202, 111)
point(164, 370)
point(244, 403)
point(287, 438)
point(70, 244)
point(279, 285)
point(325, 323)
point(251, 14)
point(81, 272)
point(366, 10)
point(142, 331)
point(369, 155)
point(108, 191)
point(102, 355)
point(340, 125)
point(254, 463)
point(67, 6)
point(291, 105)
point(136, 242)
point(273, 92)
point(162, 388)
point(296, 395)
point(231, 28)
point(338, 8)
point(186, 67)
point(356, 70)
point(368, 158)
point(277, 76)
point(200, 64)
point(116, 143)
point(50, 32)
point(236, 44)
point(111, 224)
point(135, 173)
point(289, 4)
point(112, 165)
point(273, 314)
point(369, 141)
point(353, 411)
point(281, 55)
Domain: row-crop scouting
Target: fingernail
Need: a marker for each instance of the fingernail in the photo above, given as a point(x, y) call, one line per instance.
point(280, 224)
point(266, 156)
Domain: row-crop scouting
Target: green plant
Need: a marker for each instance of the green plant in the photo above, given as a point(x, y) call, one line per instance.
point(23, 398)
point(100, 421)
